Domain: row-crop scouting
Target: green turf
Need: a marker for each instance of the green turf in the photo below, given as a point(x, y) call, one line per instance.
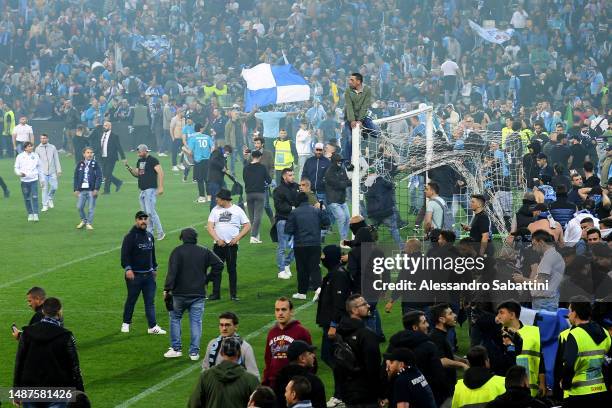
point(83, 269)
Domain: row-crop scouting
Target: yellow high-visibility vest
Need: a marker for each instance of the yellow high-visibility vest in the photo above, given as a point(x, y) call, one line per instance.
point(588, 377)
point(562, 339)
point(283, 158)
point(530, 355)
point(467, 397)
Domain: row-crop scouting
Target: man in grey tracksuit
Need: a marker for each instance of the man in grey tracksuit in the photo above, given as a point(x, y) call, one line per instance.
point(50, 170)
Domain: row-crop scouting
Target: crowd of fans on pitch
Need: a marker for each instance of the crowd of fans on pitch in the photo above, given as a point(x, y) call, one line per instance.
point(82, 63)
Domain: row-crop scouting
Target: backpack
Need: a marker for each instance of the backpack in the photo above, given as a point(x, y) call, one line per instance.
point(344, 356)
point(447, 216)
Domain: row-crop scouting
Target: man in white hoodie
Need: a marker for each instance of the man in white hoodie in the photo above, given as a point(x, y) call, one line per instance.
point(50, 168)
point(303, 142)
point(27, 167)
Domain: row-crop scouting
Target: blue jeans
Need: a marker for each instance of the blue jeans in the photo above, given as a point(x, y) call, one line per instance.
point(391, 223)
point(145, 283)
point(417, 199)
point(195, 306)
point(30, 196)
point(213, 188)
point(148, 199)
point(373, 322)
point(49, 187)
point(86, 196)
point(284, 252)
point(341, 216)
point(368, 129)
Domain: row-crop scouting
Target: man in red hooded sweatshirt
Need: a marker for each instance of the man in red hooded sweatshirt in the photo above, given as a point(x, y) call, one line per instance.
point(285, 331)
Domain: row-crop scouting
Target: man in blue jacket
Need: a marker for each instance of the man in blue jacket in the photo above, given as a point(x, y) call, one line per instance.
point(304, 224)
point(87, 183)
point(140, 266)
point(314, 170)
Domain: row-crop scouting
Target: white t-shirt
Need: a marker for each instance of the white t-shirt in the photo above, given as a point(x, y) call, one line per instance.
point(303, 140)
point(436, 210)
point(519, 19)
point(23, 132)
point(449, 68)
point(228, 221)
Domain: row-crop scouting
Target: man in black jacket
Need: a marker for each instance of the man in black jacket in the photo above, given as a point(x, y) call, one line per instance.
point(314, 170)
point(331, 306)
point(107, 148)
point(36, 297)
point(428, 360)
point(284, 201)
point(361, 387)
point(301, 358)
point(336, 183)
point(217, 166)
point(185, 289)
point(256, 179)
point(304, 224)
point(47, 355)
point(140, 266)
point(380, 206)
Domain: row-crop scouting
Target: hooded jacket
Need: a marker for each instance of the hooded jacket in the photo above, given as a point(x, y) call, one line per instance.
point(277, 344)
point(354, 263)
point(226, 385)
point(427, 360)
point(474, 379)
point(335, 289)
point(317, 392)
point(336, 183)
point(364, 386)
point(47, 357)
point(517, 397)
point(379, 206)
point(187, 269)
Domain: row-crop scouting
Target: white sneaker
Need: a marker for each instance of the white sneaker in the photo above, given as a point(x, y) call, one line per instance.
point(162, 155)
point(181, 167)
point(342, 246)
point(254, 241)
point(156, 330)
point(35, 217)
point(80, 225)
point(334, 402)
point(288, 270)
point(175, 168)
point(283, 275)
point(172, 353)
point(299, 296)
point(30, 217)
point(45, 208)
point(50, 204)
point(161, 237)
point(89, 227)
point(194, 357)
point(125, 327)
point(201, 200)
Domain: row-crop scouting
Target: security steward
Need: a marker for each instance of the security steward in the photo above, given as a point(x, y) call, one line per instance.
point(479, 385)
point(524, 341)
point(285, 154)
point(583, 357)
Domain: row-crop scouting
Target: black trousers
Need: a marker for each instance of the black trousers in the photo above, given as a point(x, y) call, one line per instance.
point(200, 173)
point(3, 185)
point(228, 255)
point(108, 165)
point(307, 263)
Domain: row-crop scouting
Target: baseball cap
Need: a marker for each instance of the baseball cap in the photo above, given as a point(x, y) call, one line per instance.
point(319, 145)
point(297, 348)
point(141, 214)
point(143, 148)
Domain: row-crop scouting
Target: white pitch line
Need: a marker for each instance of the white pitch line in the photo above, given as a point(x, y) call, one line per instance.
point(75, 261)
point(194, 367)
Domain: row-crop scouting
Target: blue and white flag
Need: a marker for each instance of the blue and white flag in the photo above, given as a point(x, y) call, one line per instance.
point(272, 84)
point(494, 35)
